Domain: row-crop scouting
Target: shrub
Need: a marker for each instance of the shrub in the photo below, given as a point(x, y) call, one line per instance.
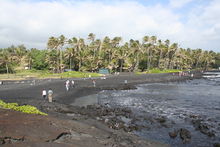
point(25, 108)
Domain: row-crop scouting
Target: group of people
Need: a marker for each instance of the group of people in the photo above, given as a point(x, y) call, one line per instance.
point(186, 73)
point(68, 84)
point(48, 94)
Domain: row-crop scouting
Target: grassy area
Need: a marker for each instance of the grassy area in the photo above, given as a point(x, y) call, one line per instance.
point(159, 71)
point(21, 74)
point(25, 108)
point(70, 74)
point(24, 74)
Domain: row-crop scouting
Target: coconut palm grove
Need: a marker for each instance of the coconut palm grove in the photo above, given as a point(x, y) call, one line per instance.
point(91, 54)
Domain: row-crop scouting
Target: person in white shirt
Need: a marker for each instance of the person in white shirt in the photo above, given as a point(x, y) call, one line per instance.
point(94, 83)
point(67, 85)
point(72, 83)
point(44, 94)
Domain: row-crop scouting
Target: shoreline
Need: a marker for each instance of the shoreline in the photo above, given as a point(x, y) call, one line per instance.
point(82, 87)
point(95, 116)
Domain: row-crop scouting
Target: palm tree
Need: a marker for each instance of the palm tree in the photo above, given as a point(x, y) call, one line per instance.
point(29, 58)
point(61, 43)
point(172, 50)
point(111, 52)
point(5, 59)
point(52, 46)
point(20, 51)
point(122, 53)
point(57, 44)
point(69, 54)
point(104, 50)
point(153, 51)
point(160, 48)
point(92, 45)
point(81, 48)
point(207, 59)
point(91, 37)
point(196, 57)
point(51, 60)
point(145, 45)
point(136, 51)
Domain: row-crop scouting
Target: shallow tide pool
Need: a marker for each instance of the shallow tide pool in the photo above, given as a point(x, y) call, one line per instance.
point(180, 103)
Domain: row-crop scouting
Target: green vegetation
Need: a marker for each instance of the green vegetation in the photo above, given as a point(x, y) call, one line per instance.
point(69, 74)
point(159, 71)
point(25, 108)
point(78, 74)
point(42, 74)
point(91, 54)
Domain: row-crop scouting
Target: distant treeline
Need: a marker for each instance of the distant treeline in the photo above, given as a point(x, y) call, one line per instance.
point(91, 54)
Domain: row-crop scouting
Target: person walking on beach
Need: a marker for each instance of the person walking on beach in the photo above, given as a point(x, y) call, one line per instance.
point(94, 83)
point(72, 83)
point(67, 85)
point(50, 95)
point(44, 94)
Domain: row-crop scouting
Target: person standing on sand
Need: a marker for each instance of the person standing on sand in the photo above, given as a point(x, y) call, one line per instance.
point(67, 85)
point(50, 95)
point(72, 83)
point(44, 94)
point(94, 83)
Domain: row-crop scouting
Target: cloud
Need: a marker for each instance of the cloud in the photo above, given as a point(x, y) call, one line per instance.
point(203, 27)
point(32, 22)
point(179, 3)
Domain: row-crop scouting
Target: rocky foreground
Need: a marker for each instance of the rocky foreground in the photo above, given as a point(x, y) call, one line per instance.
point(89, 126)
point(70, 126)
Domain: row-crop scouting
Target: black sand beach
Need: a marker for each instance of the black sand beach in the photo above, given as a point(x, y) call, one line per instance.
point(26, 92)
point(83, 87)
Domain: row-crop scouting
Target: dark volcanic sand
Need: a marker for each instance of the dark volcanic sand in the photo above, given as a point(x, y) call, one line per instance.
point(26, 90)
point(59, 128)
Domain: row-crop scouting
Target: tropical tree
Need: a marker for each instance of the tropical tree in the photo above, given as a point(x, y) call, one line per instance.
point(111, 53)
point(6, 60)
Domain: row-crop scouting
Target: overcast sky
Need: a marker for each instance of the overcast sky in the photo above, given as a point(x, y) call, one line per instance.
point(190, 23)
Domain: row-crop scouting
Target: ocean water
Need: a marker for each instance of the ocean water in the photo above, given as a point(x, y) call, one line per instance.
point(179, 102)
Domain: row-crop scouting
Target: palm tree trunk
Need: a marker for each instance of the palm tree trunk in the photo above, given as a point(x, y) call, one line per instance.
point(80, 64)
point(159, 58)
point(121, 63)
point(169, 63)
point(7, 69)
point(100, 48)
point(109, 57)
point(57, 70)
point(70, 63)
point(197, 63)
point(137, 62)
point(148, 60)
point(60, 61)
point(30, 63)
